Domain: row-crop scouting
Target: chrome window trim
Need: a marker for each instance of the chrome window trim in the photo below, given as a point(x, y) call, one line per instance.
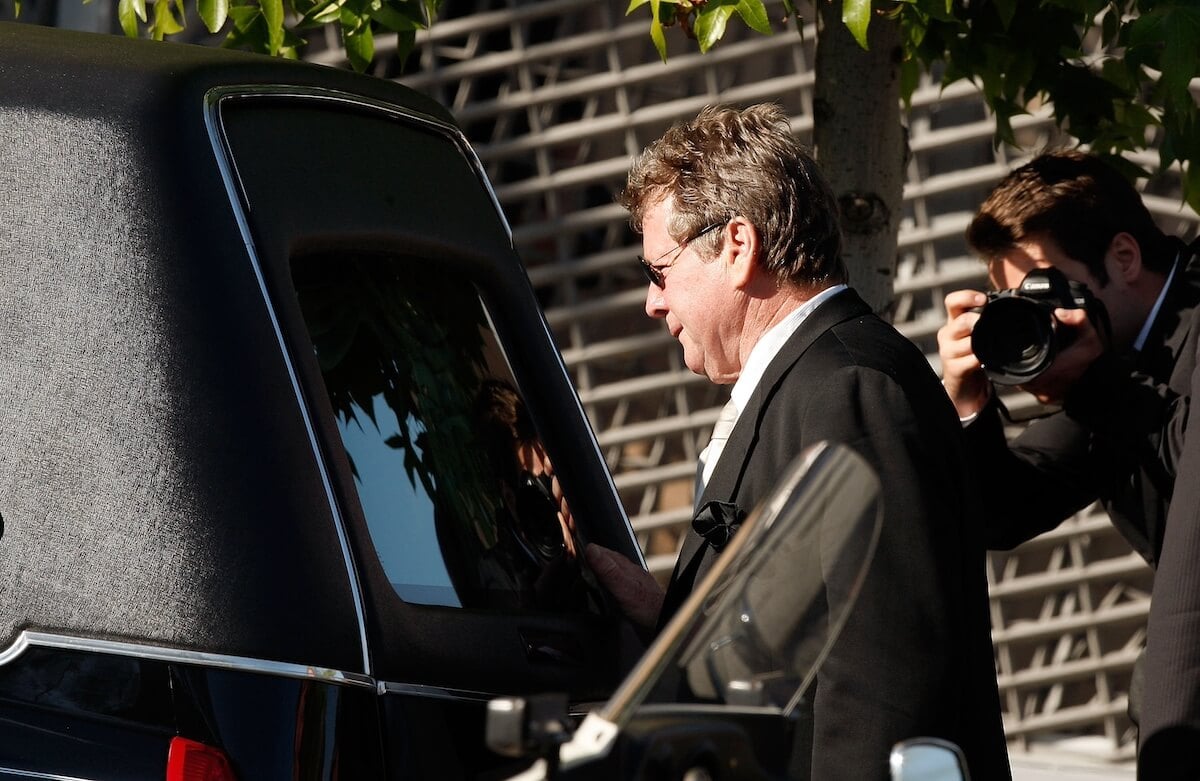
point(29, 639)
point(14, 772)
point(466, 695)
point(434, 692)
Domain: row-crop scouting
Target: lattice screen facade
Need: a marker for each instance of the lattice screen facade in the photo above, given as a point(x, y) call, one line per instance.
point(557, 96)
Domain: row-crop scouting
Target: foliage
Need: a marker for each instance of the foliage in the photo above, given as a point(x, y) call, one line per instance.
point(276, 26)
point(1116, 72)
point(703, 20)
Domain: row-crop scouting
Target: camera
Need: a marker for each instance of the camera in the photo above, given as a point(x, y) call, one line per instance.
point(1016, 336)
point(537, 510)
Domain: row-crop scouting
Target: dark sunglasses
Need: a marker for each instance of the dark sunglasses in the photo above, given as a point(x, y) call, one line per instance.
point(655, 273)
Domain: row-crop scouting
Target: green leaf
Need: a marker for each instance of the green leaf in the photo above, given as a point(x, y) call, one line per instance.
point(165, 22)
point(910, 79)
point(1007, 10)
point(213, 13)
point(634, 5)
point(659, 39)
point(711, 21)
point(321, 14)
point(856, 15)
point(128, 18)
point(754, 14)
point(405, 41)
point(1181, 55)
point(399, 16)
point(244, 16)
point(359, 43)
point(139, 8)
point(432, 8)
point(272, 12)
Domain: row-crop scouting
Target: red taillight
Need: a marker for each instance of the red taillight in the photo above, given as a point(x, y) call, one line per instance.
point(188, 760)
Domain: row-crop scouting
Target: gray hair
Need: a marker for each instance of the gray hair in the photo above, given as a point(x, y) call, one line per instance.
point(728, 162)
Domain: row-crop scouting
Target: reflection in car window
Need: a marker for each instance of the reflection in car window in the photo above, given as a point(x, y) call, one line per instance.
point(459, 494)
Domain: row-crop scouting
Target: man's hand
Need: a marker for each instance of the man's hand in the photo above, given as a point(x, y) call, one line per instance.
point(1084, 346)
point(962, 374)
point(636, 591)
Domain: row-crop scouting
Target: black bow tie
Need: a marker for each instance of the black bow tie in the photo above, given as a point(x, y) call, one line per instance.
point(717, 522)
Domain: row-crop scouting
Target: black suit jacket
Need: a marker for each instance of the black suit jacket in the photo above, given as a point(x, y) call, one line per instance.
point(1169, 727)
point(1117, 438)
point(915, 657)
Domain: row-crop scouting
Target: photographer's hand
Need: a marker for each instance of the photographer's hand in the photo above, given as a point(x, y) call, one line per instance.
point(1083, 347)
point(962, 374)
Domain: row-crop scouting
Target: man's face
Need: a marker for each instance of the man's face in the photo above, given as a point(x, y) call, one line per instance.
point(696, 300)
point(1007, 271)
point(1126, 311)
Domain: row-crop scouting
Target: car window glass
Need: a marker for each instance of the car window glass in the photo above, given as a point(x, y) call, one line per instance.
point(459, 494)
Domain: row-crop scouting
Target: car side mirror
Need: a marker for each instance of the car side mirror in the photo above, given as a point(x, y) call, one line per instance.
point(928, 759)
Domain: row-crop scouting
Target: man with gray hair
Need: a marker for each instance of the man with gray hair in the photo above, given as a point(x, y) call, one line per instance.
point(742, 254)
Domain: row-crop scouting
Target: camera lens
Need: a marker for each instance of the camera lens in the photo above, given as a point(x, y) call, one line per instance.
point(1014, 339)
point(538, 511)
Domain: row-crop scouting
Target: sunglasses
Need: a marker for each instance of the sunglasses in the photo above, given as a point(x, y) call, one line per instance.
point(655, 273)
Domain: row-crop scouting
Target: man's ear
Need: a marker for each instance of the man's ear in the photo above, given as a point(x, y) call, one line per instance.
point(741, 251)
point(1123, 260)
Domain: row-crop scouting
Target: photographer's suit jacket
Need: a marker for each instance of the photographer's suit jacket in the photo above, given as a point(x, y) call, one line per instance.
point(915, 657)
point(1117, 438)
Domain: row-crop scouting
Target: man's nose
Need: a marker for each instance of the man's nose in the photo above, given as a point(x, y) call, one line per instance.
point(656, 303)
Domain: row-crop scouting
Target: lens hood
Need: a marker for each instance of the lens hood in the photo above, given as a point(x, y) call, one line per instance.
point(1014, 338)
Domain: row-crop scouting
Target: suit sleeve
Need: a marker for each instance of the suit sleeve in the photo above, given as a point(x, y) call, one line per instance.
point(1117, 425)
point(1035, 483)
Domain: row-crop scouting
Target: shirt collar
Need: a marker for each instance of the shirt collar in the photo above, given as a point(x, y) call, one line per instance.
point(1144, 334)
point(769, 345)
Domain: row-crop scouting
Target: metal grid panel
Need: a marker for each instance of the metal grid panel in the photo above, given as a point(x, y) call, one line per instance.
point(558, 96)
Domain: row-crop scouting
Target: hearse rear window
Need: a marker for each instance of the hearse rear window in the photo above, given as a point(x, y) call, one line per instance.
point(459, 493)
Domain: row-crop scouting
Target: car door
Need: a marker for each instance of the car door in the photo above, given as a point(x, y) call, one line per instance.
point(466, 476)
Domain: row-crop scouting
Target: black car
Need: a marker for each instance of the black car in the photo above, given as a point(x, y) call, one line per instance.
point(293, 480)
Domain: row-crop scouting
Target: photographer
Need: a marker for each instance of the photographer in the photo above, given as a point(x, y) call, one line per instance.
point(1121, 365)
point(1121, 352)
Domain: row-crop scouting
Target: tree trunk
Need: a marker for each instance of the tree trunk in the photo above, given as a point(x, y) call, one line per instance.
point(861, 144)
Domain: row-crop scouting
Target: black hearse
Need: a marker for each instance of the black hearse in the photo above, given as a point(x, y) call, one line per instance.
point(285, 443)
point(293, 482)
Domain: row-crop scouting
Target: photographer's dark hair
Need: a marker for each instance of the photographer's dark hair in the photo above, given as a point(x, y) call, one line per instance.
point(503, 422)
point(1078, 201)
